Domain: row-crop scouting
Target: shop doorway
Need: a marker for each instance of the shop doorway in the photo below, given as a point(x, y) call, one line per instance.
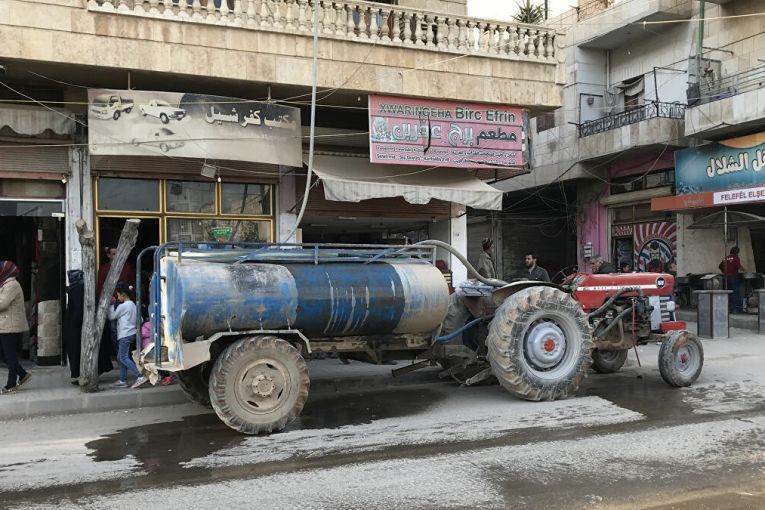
point(109, 230)
point(36, 245)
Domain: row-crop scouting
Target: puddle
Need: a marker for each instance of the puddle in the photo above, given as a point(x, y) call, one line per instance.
point(165, 446)
point(648, 395)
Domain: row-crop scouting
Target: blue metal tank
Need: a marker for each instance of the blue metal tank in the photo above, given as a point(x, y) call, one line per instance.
point(203, 297)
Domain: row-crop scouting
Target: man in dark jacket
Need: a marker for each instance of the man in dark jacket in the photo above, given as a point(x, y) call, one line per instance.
point(601, 266)
point(534, 272)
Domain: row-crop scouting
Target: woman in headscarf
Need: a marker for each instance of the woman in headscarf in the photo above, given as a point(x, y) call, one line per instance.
point(13, 322)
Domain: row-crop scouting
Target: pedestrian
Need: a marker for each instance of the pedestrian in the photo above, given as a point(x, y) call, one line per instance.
point(534, 271)
point(601, 266)
point(671, 268)
point(730, 267)
point(486, 266)
point(72, 328)
point(127, 277)
point(125, 314)
point(625, 267)
point(13, 323)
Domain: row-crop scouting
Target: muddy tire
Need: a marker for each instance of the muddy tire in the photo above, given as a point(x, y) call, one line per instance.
point(259, 385)
point(608, 361)
point(195, 384)
point(539, 344)
point(681, 358)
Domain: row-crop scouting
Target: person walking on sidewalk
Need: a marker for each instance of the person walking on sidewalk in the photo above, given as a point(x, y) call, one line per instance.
point(125, 315)
point(13, 322)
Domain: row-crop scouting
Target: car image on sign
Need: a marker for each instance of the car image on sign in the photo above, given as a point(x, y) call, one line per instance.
point(165, 139)
point(163, 110)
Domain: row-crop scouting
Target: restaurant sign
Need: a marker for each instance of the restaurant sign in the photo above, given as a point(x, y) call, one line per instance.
point(439, 133)
point(735, 163)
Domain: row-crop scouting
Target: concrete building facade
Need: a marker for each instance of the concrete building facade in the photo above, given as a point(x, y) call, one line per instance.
point(55, 51)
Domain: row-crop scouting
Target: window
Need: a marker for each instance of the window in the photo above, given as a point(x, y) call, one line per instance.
point(190, 197)
point(249, 199)
point(545, 121)
point(137, 195)
point(213, 229)
point(636, 183)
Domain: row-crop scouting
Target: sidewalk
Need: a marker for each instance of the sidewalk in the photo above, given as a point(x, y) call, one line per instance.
point(50, 393)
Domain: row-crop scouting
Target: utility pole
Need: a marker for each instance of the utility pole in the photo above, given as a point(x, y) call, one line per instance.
point(700, 42)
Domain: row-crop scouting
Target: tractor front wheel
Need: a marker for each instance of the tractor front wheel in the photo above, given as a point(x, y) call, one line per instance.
point(259, 384)
point(539, 344)
point(608, 361)
point(681, 358)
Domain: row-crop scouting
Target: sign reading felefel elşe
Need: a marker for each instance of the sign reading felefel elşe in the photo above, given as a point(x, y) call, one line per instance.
point(440, 133)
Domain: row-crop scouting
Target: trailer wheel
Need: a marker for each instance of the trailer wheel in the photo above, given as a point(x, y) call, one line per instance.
point(195, 384)
point(259, 384)
point(608, 361)
point(681, 358)
point(539, 344)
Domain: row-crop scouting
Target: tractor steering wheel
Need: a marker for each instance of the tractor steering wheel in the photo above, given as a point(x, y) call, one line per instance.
point(564, 273)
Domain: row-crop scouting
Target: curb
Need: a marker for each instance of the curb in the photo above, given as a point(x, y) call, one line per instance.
point(80, 403)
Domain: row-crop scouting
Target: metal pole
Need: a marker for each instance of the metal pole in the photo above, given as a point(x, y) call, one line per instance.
point(700, 42)
point(725, 244)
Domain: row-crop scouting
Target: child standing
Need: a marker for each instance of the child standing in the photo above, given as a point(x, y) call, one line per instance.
point(125, 315)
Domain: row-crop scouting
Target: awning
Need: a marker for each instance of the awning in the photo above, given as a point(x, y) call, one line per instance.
point(34, 121)
point(353, 179)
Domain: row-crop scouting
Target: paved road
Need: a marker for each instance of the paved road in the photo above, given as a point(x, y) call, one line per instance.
point(625, 441)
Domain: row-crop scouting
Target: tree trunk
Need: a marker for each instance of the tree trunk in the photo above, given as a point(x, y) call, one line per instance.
point(94, 319)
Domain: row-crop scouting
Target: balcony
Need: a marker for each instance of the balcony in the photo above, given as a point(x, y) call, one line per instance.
point(609, 23)
point(640, 129)
point(726, 106)
point(632, 116)
point(365, 47)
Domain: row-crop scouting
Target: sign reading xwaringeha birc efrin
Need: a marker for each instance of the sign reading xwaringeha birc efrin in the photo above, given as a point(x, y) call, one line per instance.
point(142, 123)
point(440, 133)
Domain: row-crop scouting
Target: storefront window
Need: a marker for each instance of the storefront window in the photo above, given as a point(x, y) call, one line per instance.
point(213, 229)
point(128, 195)
point(249, 199)
point(190, 197)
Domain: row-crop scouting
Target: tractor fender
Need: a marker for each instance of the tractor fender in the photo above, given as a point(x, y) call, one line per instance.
point(502, 293)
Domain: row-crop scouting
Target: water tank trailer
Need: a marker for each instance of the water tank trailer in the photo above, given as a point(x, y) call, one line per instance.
point(234, 322)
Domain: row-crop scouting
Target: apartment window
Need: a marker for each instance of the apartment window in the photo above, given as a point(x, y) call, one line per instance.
point(637, 183)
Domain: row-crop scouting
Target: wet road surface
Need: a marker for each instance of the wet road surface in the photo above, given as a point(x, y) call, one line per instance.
point(626, 440)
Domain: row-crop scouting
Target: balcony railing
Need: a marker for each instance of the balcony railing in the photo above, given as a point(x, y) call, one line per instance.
point(632, 116)
point(731, 85)
point(355, 21)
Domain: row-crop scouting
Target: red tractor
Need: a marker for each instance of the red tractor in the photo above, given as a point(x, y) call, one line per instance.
point(539, 339)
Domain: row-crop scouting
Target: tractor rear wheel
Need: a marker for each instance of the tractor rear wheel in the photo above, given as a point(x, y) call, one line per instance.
point(194, 383)
point(608, 361)
point(681, 358)
point(259, 384)
point(539, 344)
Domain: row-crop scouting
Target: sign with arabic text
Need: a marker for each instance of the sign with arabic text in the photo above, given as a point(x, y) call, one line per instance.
point(439, 133)
point(143, 123)
point(729, 164)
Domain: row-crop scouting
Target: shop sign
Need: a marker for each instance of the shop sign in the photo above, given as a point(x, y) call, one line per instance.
point(171, 124)
point(621, 230)
point(739, 196)
point(655, 245)
point(221, 234)
point(734, 163)
point(440, 133)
